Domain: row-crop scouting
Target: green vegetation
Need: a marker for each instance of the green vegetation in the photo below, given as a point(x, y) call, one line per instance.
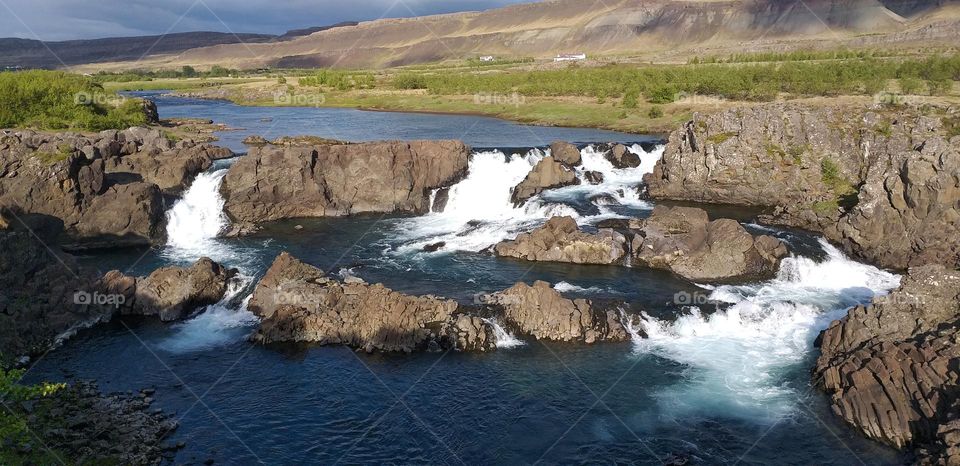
point(798, 55)
point(57, 100)
point(144, 75)
point(14, 431)
point(661, 84)
point(655, 112)
point(720, 138)
point(340, 80)
point(826, 207)
point(845, 192)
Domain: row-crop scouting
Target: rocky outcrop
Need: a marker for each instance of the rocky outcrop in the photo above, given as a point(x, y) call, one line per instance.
point(565, 153)
point(883, 184)
point(88, 427)
point(560, 240)
point(621, 157)
point(274, 182)
point(107, 189)
point(684, 241)
point(543, 313)
point(892, 368)
point(298, 302)
point(39, 286)
point(170, 293)
point(548, 173)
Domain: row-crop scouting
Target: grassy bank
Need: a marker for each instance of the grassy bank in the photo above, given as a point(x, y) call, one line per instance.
point(640, 98)
point(56, 100)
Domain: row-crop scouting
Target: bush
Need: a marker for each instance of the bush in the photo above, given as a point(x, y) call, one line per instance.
point(58, 100)
point(410, 81)
point(910, 85)
point(655, 112)
point(631, 99)
point(13, 428)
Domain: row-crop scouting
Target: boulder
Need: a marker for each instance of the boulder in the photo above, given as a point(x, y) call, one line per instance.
point(621, 157)
point(543, 313)
point(298, 302)
point(684, 241)
point(560, 240)
point(892, 368)
point(593, 177)
point(881, 185)
point(565, 152)
point(548, 173)
point(170, 293)
point(274, 182)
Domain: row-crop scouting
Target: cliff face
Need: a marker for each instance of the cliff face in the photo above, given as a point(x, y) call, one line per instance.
point(883, 184)
point(542, 29)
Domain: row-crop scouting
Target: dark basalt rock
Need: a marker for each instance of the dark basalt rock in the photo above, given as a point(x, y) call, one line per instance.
point(560, 240)
point(276, 182)
point(882, 185)
point(892, 368)
point(549, 173)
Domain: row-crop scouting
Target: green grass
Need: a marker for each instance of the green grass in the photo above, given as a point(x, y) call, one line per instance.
point(720, 138)
point(57, 100)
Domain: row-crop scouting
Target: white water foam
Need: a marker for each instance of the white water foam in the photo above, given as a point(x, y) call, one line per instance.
point(504, 339)
point(737, 357)
point(218, 325)
point(196, 219)
point(479, 214)
point(566, 287)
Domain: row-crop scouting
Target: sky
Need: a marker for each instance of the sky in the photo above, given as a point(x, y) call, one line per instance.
point(53, 20)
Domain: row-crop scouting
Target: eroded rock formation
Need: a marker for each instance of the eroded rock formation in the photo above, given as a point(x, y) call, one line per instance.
point(170, 293)
point(684, 241)
point(276, 182)
point(892, 368)
point(542, 312)
point(548, 173)
point(883, 183)
point(560, 240)
point(106, 189)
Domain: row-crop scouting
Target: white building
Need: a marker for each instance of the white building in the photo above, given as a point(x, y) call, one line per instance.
point(487, 58)
point(570, 57)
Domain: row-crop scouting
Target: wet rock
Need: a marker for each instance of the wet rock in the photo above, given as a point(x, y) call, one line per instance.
point(542, 312)
point(298, 302)
point(593, 177)
point(621, 157)
point(891, 368)
point(107, 189)
point(883, 186)
point(565, 152)
point(684, 240)
point(273, 183)
point(440, 200)
point(170, 293)
point(435, 246)
point(560, 240)
point(547, 174)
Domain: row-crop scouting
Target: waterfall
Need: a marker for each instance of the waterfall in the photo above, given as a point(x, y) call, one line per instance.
point(196, 219)
point(479, 212)
point(504, 338)
point(219, 324)
point(738, 354)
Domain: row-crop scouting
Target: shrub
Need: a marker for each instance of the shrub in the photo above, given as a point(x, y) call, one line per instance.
point(58, 100)
point(655, 112)
point(410, 81)
point(631, 99)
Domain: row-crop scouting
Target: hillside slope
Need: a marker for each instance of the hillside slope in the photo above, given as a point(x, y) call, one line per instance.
point(654, 27)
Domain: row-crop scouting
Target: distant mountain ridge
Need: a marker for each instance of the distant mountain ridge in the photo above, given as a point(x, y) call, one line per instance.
point(29, 53)
point(657, 29)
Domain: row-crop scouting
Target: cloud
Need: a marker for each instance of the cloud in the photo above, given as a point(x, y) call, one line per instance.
point(82, 19)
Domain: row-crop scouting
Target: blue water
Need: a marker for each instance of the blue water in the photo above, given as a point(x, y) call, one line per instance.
point(363, 125)
point(706, 398)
